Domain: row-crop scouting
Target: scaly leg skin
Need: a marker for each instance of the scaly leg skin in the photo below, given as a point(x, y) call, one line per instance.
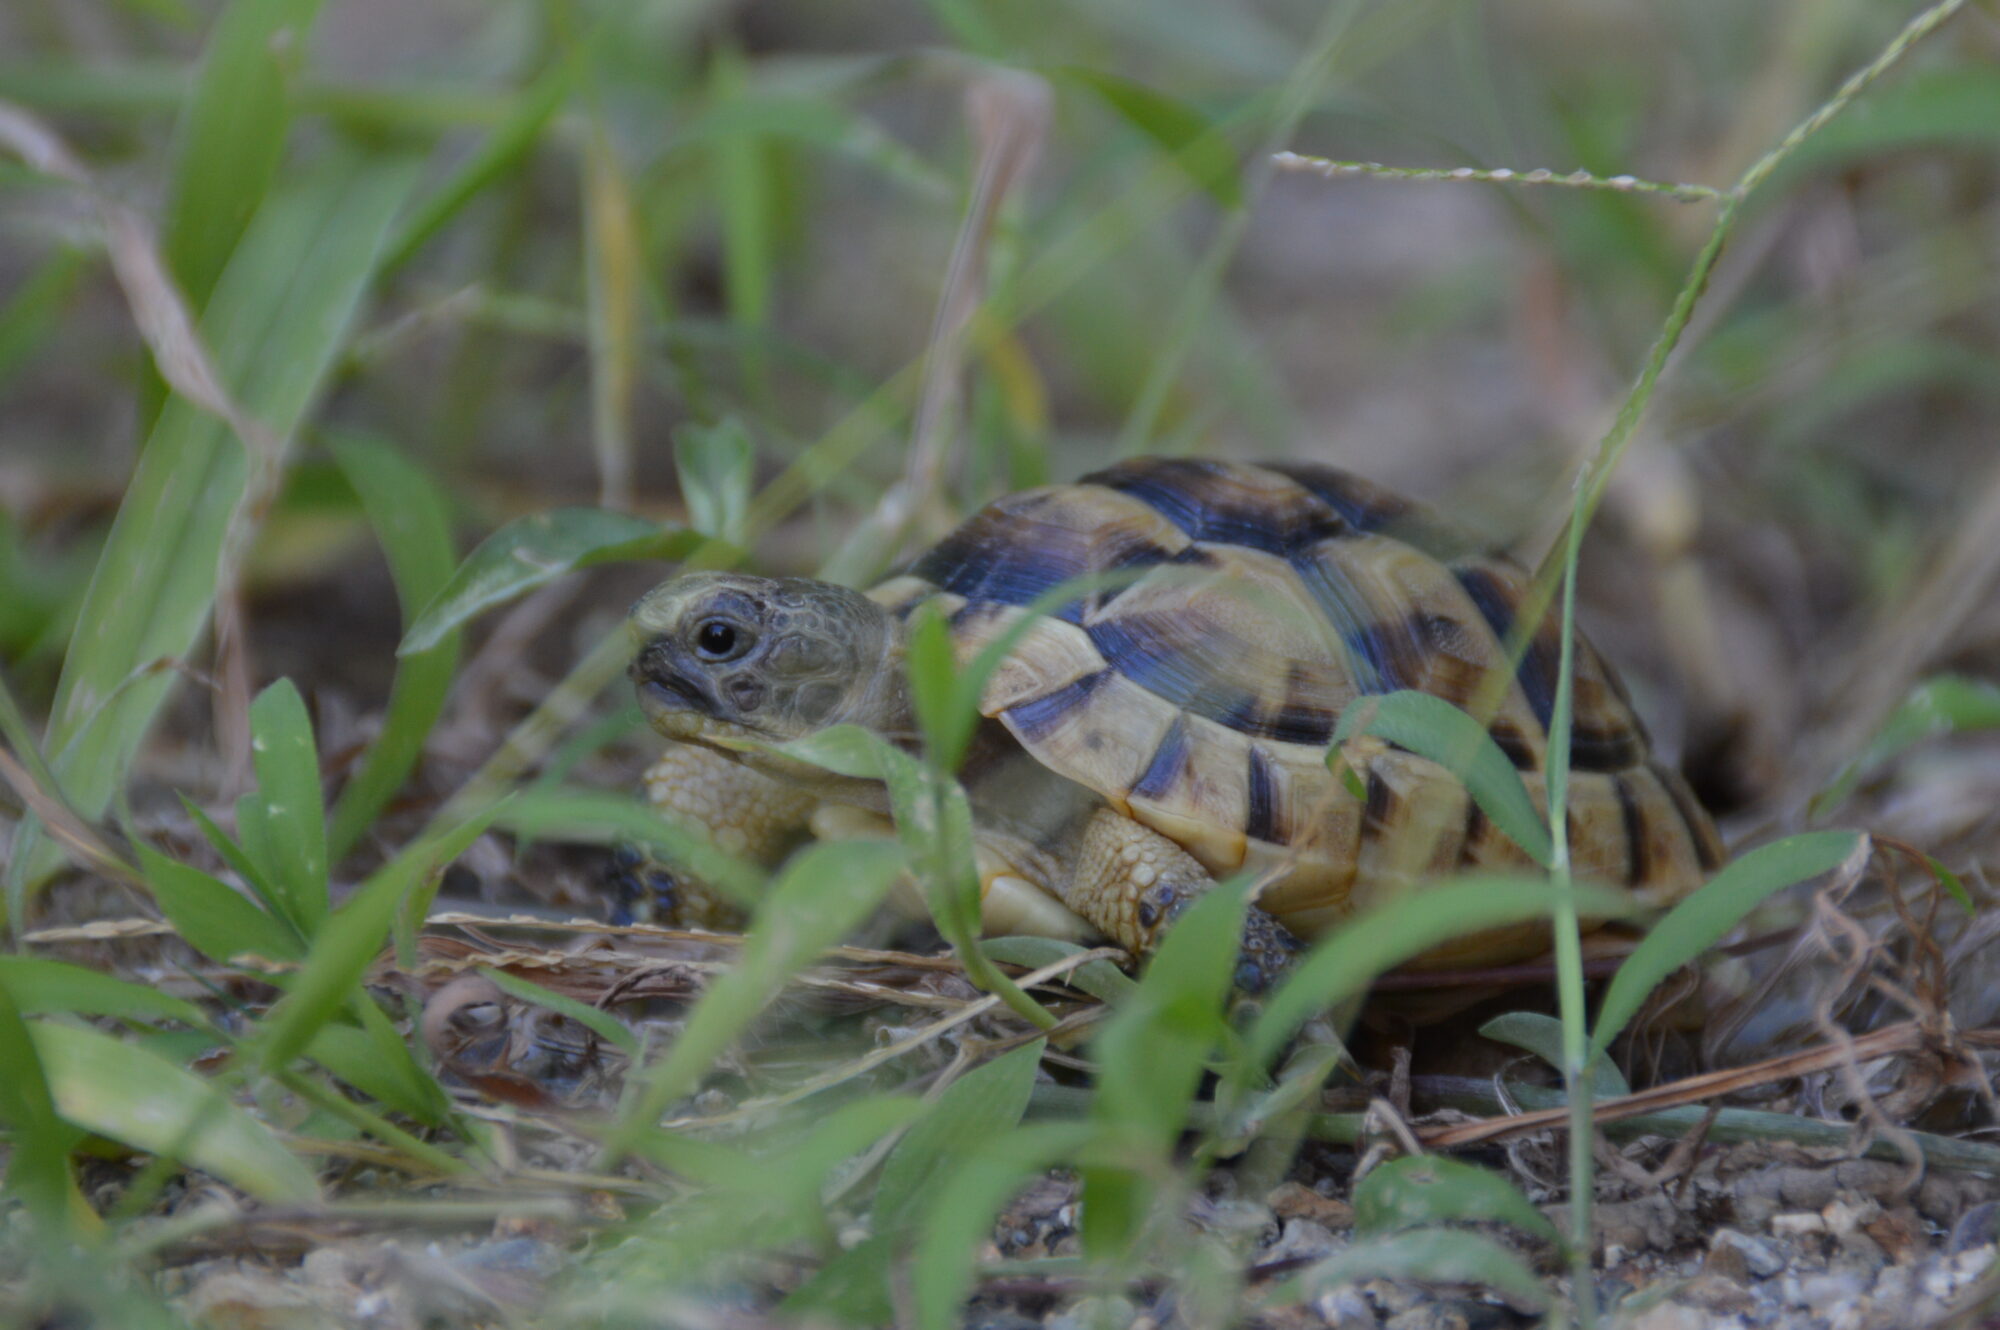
point(1132, 882)
point(744, 812)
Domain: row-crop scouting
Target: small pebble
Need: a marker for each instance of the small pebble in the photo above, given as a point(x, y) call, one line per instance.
point(1762, 1258)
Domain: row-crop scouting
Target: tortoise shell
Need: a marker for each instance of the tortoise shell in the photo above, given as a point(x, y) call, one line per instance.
point(1196, 687)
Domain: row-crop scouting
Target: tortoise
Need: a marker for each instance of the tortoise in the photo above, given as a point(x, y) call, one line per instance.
point(1170, 723)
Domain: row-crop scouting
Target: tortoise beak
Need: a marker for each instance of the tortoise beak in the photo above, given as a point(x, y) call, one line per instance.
point(665, 691)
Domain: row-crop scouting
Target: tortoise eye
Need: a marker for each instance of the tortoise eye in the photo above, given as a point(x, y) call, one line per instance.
point(716, 639)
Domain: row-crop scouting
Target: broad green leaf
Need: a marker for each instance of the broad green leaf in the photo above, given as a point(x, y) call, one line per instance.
point(1703, 919)
point(1100, 978)
point(1427, 1189)
point(93, 1076)
point(411, 520)
point(277, 320)
point(1343, 964)
point(1195, 143)
point(716, 465)
point(231, 135)
point(979, 1106)
point(963, 1206)
point(532, 551)
point(289, 807)
point(41, 986)
point(1432, 727)
point(600, 815)
point(1435, 1255)
point(238, 859)
point(211, 917)
point(823, 893)
point(390, 1076)
point(606, 1026)
point(1543, 1036)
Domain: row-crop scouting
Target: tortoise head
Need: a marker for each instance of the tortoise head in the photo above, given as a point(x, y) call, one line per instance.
point(724, 655)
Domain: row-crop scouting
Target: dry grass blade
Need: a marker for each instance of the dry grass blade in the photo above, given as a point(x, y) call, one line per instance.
point(1009, 113)
point(1330, 168)
point(1907, 1037)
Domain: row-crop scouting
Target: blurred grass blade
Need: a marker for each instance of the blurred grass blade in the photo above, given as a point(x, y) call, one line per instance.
point(825, 891)
point(1542, 1035)
point(1436, 1255)
point(32, 311)
point(964, 1204)
point(1946, 704)
point(231, 135)
point(1187, 136)
point(501, 153)
point(1432, 727)
point(38, 1157)
point(1151, 1055)
point(934, 821)
point(530, 552)
point(1703, 919)
point(1342, 965)
point(600, 1022)
point(351, 938)
point(275, 324)
point(1101, 979)
point(1422, 1190)
point(92, 1077)
point(413, 524)
point(40, 986)
point(289, 810)
point(716, 466)
point(982, 1104)
point(368, 1063)
point(614, 280)
point(602, 816)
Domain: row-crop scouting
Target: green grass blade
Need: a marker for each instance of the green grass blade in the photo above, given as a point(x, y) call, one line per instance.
point(533, 551)
point(825, 892)
point(963, 1206)
point(1425, 1189)
point(607, 818)
point(1436, 1255)
point(1431, 727)
point(275, 324)
point(412, 521)
point(982, 1104)
point(289, 808)
point(40, 986)
point(92, 1075)
point(716, 467)
point(231, 135)
point(1542, 1035)
point(1343, 964)
point(1700, 921)
point(502, 152)
point(38, 1162)
point(342, 950)
point(606, 1026)
point(1189, 138)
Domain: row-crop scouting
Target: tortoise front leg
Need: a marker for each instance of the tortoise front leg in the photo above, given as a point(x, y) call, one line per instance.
point(1132, 882)
point(743, 811)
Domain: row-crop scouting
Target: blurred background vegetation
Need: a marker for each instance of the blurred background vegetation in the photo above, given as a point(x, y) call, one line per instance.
point(458, 262)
